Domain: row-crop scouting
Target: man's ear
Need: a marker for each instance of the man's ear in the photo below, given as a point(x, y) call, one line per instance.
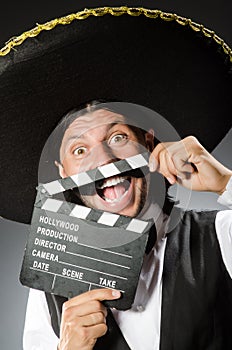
point(149, 139)
point(61, 170)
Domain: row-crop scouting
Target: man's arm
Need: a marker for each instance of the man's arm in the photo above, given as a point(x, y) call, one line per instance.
point(188, 163)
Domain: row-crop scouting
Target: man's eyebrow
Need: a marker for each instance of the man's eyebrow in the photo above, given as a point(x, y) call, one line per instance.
point(74, 137)
point(111, 125)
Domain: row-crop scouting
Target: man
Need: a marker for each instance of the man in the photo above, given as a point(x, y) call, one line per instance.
point(169, 64)
point(96, 136)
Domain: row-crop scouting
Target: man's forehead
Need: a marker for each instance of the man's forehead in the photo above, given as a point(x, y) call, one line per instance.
point(93, 120)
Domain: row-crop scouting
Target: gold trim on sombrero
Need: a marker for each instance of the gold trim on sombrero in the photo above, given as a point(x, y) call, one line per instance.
point(116, 11)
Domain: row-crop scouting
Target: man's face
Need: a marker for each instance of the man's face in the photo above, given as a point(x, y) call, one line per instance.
point(99, 138)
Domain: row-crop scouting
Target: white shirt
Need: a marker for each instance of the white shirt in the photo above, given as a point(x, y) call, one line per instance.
point(141, 324)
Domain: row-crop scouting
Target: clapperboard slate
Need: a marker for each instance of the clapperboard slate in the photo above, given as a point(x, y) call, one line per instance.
point(72, 249)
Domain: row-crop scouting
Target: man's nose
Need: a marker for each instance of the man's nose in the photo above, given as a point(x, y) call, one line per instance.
point(102, 154)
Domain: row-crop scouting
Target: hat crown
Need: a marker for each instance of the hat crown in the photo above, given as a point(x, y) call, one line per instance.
point(162, 61)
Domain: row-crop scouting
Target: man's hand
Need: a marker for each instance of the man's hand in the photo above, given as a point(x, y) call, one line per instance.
point(84, 319)
point(189, 164)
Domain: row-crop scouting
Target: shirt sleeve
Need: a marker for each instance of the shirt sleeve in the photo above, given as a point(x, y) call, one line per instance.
point(223, 225)
point(226, 197)
point(38, 332)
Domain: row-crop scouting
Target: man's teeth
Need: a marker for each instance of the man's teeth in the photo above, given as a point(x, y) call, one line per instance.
point(108, 200)
point(112, 182)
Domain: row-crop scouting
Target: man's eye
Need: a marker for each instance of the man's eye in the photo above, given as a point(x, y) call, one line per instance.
point(118, 138)
point(80, 151)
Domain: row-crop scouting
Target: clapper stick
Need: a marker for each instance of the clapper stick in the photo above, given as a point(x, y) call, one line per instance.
point(93, 175)
point(72, 248)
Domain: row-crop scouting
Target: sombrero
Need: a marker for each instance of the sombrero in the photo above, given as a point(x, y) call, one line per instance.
point(162, 61)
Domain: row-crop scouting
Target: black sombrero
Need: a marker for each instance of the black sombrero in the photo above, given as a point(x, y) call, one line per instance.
point(162, 61)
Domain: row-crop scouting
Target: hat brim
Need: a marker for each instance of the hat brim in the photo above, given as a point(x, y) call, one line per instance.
point(161, 61)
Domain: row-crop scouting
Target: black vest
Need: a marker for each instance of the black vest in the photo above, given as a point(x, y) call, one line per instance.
point(196, 296)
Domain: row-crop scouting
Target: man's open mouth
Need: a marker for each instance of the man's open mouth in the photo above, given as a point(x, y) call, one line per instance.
point(113, 189)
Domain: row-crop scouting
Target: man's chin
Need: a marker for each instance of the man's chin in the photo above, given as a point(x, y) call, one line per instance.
point(118, 207)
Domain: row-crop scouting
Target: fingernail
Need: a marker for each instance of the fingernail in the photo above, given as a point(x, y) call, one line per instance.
point(170, 180)
point(153, 164)
point(116, 293)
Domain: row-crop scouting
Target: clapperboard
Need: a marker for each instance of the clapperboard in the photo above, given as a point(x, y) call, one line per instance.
point(72, 248)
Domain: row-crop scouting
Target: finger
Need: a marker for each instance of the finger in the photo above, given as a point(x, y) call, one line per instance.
point(160, 147)
point(94, 332)
point(153, 163)
point(154, 160)
point(186, 180)
point(167, 168)
point(173, 167)
point(96, 294)
point(91, 319)
point(172, 172)
point(85, 337)
point(180, 155)
point(93, 306)
point(181, 165)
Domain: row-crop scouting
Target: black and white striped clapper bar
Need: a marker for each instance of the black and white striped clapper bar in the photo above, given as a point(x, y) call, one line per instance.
point(72, 248)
